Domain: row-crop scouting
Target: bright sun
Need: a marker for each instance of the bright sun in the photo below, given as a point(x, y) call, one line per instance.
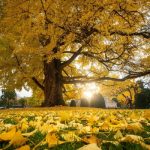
point(89, 90)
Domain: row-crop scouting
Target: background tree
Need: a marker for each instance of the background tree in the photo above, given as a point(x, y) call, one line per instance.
point(84, 102)
point(53, 43)
point(73, 103)
point(142, 98)
point(8, 97)
point(98, 101)
point(120, 90)
point(117, 101)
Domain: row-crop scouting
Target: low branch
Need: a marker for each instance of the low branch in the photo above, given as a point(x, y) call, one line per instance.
point(38, 83)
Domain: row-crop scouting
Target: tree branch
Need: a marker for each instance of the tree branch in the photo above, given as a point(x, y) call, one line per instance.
point(72, 58)
point(143, 33)
point(74, 80)
point(38, 83)
point(21, 69)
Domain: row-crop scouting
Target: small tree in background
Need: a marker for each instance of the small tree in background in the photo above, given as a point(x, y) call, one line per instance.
point(8, 97)
point(22, 102)
point(98, 101)
point(142, 99)
point(73, 103)
point(84, 102)
point(116, 100)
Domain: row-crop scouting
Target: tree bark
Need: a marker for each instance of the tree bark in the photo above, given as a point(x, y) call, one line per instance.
point(53, 84)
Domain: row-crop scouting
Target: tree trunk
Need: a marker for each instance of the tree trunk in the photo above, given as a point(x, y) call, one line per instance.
point(53, 84)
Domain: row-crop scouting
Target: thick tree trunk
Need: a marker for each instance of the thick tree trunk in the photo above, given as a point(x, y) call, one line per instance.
point(53, 84)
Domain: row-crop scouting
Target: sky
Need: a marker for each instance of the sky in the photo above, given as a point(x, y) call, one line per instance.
point(22, 93)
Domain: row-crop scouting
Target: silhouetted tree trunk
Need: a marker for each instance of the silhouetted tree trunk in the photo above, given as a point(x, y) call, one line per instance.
point(53, 83)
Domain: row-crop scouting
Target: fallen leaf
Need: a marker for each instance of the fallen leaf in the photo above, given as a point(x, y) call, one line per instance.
point(25, 147)
point(18, 139)
point(135, 127)
point(132, 139)
point(51, 139)
point(105, 126)
point(135, 139)
point(64, 116)
point(24, 126)
point(118, 135)
point(90, 139)
point(92, 146)
point(29, 133)
point(7, 136)
point(70, 136)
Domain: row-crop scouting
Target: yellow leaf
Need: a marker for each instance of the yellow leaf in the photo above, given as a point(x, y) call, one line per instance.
point(25, 147)
point(132, 139)
point(92, 146)
point(105, 126)
point(147, 115)
point(135, 139)
point(64, 116)
point(134, 116)
point(29, 133)
point(118, 135)
point(51, 139)
point(90, 140)
point(18, 139)
point(8, 136)
point(136, 127)
point(71, 136)
point(24, 126)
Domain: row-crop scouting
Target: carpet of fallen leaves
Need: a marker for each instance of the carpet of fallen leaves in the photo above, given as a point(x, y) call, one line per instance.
point(63, 128)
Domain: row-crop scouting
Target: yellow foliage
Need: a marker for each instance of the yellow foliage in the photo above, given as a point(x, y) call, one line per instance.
point(18, 139)
point(25, 147)
point(90, 140)
point(24, 126)
point(51, 139)
point(121, 122)
point(136, 127)
point(70, 137)
point(118, 135)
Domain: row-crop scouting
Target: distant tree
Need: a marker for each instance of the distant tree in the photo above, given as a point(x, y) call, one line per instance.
point(98, 101)
point(73, 103)
point(22, 102)
point(142, 99)
point(116, 100)
point(8, 97)
point(84, 102)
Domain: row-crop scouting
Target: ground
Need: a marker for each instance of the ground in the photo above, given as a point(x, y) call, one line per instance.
point(65, 128)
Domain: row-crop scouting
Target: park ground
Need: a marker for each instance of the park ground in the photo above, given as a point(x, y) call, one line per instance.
point(64, 128)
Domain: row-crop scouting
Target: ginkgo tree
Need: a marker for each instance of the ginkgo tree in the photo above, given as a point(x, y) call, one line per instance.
point(55, 43)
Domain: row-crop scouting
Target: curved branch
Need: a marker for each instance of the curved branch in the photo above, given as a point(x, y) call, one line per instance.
point(72, 58)
point(83, 79)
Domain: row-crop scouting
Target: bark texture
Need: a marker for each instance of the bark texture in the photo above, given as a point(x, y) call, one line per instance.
point(53, 84)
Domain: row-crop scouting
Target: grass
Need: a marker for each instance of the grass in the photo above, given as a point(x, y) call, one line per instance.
point(79, 122)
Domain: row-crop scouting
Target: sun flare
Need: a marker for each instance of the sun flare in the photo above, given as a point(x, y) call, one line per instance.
point(89, 90)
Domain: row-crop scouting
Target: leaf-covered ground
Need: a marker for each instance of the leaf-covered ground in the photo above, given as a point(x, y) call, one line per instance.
point(63, 128)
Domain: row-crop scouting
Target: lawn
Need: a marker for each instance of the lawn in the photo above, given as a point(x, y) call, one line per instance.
point(64, 128)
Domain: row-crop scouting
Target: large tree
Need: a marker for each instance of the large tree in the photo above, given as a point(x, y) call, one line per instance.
point(55, 43)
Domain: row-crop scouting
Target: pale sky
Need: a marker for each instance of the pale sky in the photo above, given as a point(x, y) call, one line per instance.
point(22, 93)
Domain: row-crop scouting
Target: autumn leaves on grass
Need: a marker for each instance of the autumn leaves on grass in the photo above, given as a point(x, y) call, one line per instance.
point(93, 128)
